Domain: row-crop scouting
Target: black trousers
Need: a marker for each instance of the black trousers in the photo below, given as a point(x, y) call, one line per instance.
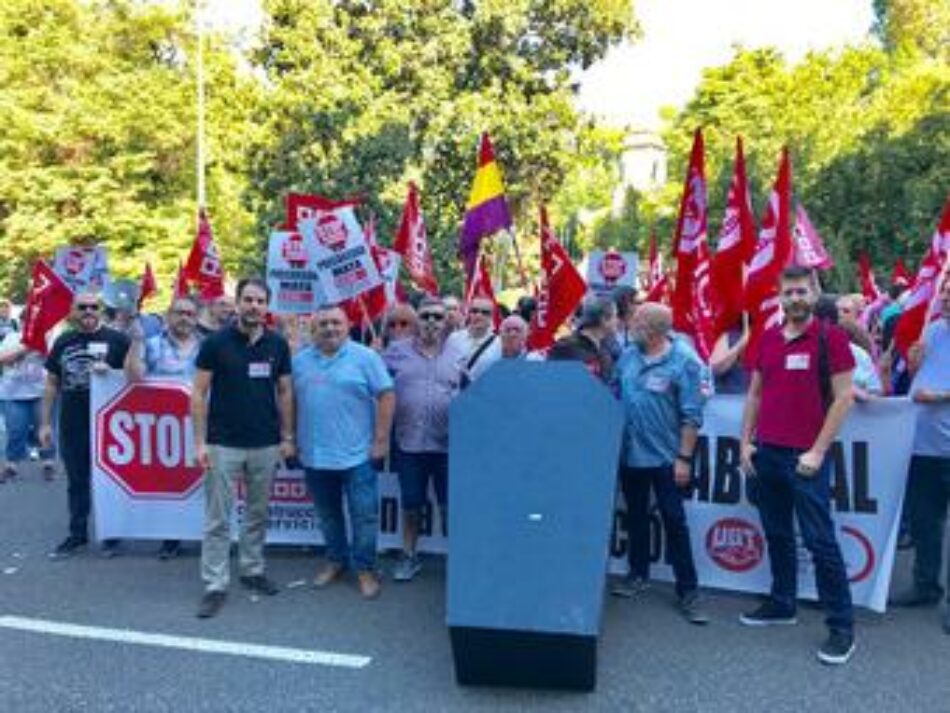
point(74, 449)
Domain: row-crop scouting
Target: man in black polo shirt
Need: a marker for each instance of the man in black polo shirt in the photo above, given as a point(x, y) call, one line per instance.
point(596, 324)
point(244, 429)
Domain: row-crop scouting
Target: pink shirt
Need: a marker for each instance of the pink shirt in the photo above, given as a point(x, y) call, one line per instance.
point(791, 412)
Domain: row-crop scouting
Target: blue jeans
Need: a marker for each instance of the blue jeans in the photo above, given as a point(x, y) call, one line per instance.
point(782, 493)
point(928, 492)
point(360, 485)
point(636, 484)
point(23, 425)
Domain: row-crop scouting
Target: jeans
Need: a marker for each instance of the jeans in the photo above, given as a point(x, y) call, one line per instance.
point(74, 449)
point(928, 491)
point(360, 485)
point(257, 466)
point(23, 424)
point(636, 484)
point(782, 493)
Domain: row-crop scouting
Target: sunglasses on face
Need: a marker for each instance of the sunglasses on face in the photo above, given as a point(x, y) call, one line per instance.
point(479, 310)
point(431, 317)
point(87, 308)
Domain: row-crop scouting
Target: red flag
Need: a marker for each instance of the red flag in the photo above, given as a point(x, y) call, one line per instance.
point(301, 206)
point(562, 289)
point(772, 255)
point(147, 285)
point(735, 248)
point(923, 305)
point(180, 285)
point(901, 275)
point(869, 286)
point(809, 249)
point(203, 267)
point(480, 287)
point(692, 293)
point(413, 244)
point(47, 304)
point(657, 281)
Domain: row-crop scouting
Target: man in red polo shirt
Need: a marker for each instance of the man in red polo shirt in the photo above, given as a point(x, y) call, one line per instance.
point(798, 398)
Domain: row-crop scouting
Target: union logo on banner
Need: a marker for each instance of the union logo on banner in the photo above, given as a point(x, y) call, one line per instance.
point(735, 544)
point(330, 231)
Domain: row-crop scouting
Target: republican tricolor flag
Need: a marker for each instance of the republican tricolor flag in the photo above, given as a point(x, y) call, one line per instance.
point(692, 295)
point(923, 306)
point(487, 210)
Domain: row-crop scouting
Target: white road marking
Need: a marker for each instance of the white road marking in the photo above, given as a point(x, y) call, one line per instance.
point(185, 643)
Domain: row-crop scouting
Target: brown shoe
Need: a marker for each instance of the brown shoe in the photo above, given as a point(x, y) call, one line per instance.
point(327, 574)
point(369, 585)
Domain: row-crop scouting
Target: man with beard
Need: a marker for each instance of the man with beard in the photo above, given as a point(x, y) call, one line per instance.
point(799, 395)
point(90, 347)
point(242, 430)
point(344, 404)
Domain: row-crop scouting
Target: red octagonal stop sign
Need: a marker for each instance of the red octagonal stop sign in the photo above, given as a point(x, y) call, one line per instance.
point(145, 441)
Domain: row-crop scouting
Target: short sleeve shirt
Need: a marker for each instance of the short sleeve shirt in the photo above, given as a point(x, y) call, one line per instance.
point(932, 437)
point(336, 404)
point(165, 357)
point(791, 412)
point(243, 405)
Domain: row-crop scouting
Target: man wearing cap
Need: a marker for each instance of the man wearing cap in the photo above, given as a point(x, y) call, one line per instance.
point(427, 374)
point(662, 399)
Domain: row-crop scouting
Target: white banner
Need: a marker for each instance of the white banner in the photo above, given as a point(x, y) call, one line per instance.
point(608, 269)
point(291, 274)
point(343, 262)
point(145, 486)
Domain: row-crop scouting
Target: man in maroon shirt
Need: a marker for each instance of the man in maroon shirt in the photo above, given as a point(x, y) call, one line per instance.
point(798, 398)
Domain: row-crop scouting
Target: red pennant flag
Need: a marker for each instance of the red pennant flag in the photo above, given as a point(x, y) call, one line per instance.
point(180, 285)
point(147, 285)
point(203, 267)
point(47, 304)
point(413, 244)
point(923, 305)
point(735, 248)
point(692, 293)
point(562, 289)
point(869, 286)
point(772, 255)
point(657, 281)
point(901, 275)
point(809, 249)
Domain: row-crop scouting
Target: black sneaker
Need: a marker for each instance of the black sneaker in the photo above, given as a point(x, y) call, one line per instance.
point(629, 587)
point(689, 606)
point(110, 549)
point(169, 549)
point(68, 547)
point(837, 649)
point(211, 604)
point(917, 597)
point(769, 614)
point(260, 584)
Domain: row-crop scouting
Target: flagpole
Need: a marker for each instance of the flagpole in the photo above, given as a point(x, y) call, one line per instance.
point(200, 79)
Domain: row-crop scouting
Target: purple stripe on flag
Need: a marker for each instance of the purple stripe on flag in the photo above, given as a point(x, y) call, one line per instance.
point(484, 219)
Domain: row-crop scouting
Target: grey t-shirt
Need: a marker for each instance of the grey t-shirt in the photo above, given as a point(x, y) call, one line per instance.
point(932, 437)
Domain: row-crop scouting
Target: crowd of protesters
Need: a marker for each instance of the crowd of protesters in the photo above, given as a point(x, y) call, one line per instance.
point(339, 399)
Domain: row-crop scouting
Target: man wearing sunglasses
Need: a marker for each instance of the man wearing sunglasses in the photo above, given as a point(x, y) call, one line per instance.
point(427, 372)
point(170, 354)
point(478, 341)
point(77, 353)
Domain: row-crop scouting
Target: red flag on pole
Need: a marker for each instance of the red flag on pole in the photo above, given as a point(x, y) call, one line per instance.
point(413, 244)
point(301, 206)
point(562, 289)
point(901, 275)
point(480, 287)
point(147, 285)
point(180, 285)
point(657, 281)
point(47, 304)
point(692, 294)
point(772, 255)
point(203, 267)
point(735, 248)
point(923, 305)
point(809, 249)
point(869, 286)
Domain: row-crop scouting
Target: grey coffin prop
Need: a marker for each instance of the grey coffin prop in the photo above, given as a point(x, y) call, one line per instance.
point(533, 460)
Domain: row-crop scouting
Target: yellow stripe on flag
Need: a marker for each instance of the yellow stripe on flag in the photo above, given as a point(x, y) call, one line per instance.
point(487, 185)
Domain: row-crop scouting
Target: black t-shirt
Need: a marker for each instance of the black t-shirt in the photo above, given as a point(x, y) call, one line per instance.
point(243, 403)
point(70, 360)
point(579, 347)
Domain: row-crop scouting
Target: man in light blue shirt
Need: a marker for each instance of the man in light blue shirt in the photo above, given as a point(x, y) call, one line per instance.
point(344, 405)
point(928, 486)
point(660, 387)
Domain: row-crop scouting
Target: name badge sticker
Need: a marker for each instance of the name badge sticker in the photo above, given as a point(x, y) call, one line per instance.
point(657, 384)
point(259, 370)
point(797, 362)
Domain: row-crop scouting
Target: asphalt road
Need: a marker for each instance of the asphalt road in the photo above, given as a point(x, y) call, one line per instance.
point(649, 659)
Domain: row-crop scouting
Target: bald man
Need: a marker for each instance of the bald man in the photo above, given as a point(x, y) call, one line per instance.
point(661, 393)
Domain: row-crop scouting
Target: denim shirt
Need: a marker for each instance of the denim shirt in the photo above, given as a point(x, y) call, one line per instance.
point(659, 396)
